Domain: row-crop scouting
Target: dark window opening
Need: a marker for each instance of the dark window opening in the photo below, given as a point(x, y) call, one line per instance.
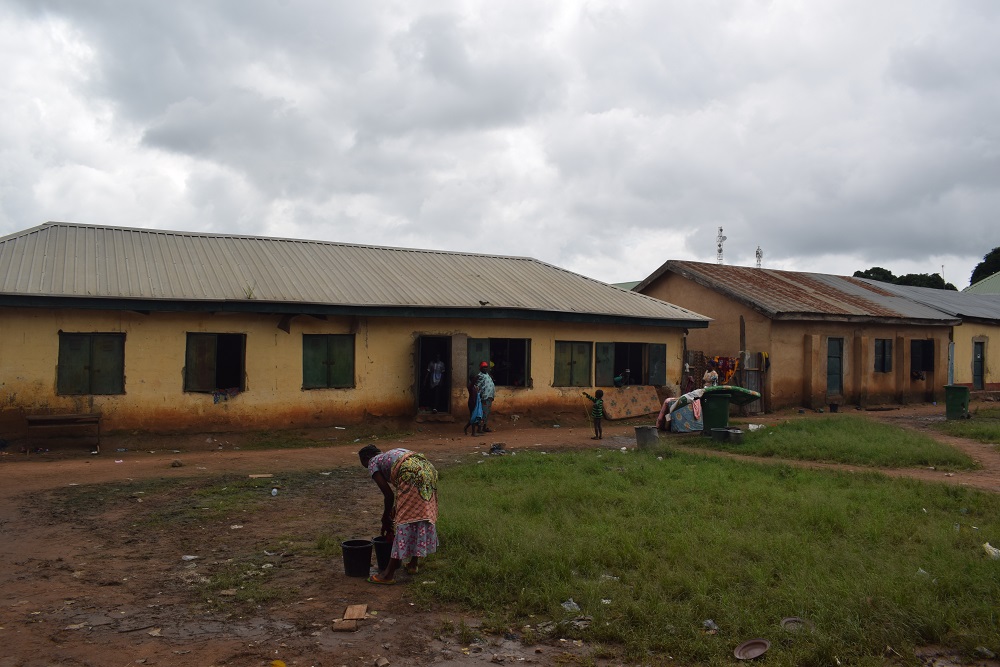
point(214, 362)
point(327, 361)
point(91, 363)
point(510, 359)
point(835, 366)
point(883, 355)
point(921, 356)
point(572, 364)
point(630, 363)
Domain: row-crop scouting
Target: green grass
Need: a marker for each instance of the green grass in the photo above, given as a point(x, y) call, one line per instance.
point(845, 439)
point(984, 426)
point(650, 549)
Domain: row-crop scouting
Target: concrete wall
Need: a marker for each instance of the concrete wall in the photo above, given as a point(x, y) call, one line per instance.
point(385, 367)
point(722, 337)
point(797, 350)
point(861, 384)
point(964, 336)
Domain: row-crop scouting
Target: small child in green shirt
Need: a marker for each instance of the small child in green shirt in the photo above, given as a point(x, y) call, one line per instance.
point(597, 412)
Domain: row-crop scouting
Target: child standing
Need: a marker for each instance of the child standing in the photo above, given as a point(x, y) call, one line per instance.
point(597, 412)
point(475, 407)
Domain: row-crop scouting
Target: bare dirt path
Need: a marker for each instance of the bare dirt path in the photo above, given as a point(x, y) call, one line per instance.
point(82, 589)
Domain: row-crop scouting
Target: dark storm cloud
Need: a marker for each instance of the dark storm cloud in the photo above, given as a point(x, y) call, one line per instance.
point(604, 137)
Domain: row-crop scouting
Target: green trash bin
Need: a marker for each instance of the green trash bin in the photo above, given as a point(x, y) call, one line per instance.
point(956, 401)
point(714, 411)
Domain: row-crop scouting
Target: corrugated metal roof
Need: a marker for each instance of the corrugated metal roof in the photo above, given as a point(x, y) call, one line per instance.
point(96, 262)
point(990, 285)
point(958, 304)
point(796, 295)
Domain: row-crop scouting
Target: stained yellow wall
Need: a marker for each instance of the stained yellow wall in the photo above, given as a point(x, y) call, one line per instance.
point(385, 367)
point(964, 336)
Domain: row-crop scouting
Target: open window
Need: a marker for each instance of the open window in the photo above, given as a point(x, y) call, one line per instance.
point(91, 363)
point(510, 359)
point(215, 362)
point(630, 363)
point(921, 357)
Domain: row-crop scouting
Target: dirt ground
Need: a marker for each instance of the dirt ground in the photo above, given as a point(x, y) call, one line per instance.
point(81, 588)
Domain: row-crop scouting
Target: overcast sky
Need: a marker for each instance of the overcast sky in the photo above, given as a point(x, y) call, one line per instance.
point(602, 137)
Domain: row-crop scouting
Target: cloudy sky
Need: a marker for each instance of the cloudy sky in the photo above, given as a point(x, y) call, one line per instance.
point(604, 137)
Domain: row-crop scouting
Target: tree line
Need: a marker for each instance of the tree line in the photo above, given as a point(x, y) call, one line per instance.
point(983, 270)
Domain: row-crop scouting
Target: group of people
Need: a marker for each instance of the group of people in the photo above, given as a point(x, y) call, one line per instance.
point(482, 392)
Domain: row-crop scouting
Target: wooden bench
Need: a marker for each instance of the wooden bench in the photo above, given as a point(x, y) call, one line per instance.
point(67, 423)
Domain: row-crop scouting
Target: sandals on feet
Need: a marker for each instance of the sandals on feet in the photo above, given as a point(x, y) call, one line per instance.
point(412, 569)
point(375, 579)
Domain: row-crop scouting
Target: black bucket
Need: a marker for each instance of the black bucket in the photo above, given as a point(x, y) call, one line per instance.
point(383, 552)
point(357, 557)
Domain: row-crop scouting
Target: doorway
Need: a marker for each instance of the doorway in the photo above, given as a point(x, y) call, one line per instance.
point(434, 374)
point(978, 358)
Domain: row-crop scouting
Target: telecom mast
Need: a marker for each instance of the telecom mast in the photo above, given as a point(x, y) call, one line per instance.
point(718, 244)
point(760, 256)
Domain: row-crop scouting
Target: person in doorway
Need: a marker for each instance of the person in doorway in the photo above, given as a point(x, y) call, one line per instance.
point(434, 380)
point(487, 392)
point(408, 483)
point(475, 407)
point(711, 377)
point(597, 412)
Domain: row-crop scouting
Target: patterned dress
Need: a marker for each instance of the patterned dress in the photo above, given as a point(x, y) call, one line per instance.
point(414, 482)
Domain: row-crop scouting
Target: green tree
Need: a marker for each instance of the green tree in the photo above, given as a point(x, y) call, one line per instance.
point(932, 280)
point(876, 273)
point(987, 267)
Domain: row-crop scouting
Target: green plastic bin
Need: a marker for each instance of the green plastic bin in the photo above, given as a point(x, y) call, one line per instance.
point(714, 411)
point(956, 401)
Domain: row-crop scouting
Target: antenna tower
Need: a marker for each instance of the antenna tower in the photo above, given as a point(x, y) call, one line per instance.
point(718, 244)
point(760, 256)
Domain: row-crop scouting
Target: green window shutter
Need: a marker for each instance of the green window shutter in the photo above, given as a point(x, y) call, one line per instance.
point(73, 373)
point(479, 351)
point(604, 374)
point(564, 362)
point(199, 363)
point(581, 364)
point(341, 360)
point(657, 372)
point(107, 364)
point(314, 361)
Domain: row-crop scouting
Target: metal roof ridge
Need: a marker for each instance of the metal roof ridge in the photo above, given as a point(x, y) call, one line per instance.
point(280, 239)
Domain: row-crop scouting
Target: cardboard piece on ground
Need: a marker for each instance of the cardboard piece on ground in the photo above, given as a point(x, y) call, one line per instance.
point(261, 476)
point(355, 612)
point(341, 625)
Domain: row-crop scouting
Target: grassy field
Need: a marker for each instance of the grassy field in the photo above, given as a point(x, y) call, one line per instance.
point(844, 439)
point(984, 426)
point(651, 547)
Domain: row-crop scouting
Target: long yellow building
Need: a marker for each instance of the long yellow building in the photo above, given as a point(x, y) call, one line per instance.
point(167, 331)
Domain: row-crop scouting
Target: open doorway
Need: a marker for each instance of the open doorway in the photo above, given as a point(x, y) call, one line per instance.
point(434, 374)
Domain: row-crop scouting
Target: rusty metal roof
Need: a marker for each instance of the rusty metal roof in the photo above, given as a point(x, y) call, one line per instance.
point(959, 304)
point(84, 262)
point(803, 296)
